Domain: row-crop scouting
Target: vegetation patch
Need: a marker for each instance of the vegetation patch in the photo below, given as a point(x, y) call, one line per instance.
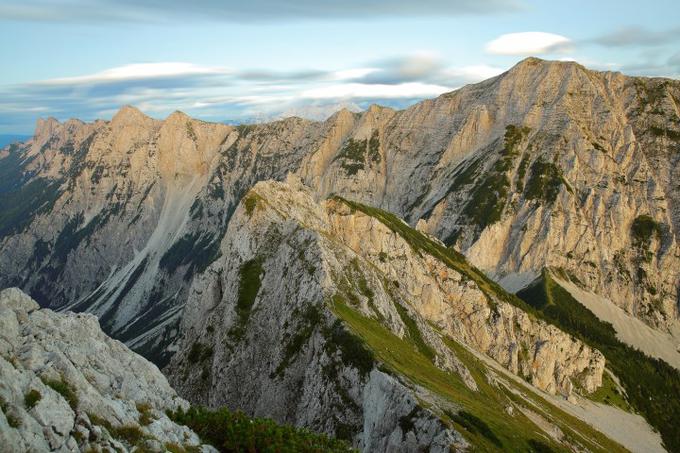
point(309, 320)
point(651, 384)
point(236, 432)
point(12, 420)
point(609, 393)
point(352, 350)
point(403, 358)
point(199, 352)
point(251, 202)
point(643, 229)
point(250, 279)
point(145, 416)
point(355, 152)
point(64, 389)
point(475, 425)
point(545, 181)
point(32, 398)
point(414, 332)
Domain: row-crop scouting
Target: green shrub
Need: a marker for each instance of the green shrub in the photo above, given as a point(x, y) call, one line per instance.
point(643, 229)
point(545, 181)
point(199, 352)
point(235, 432)
point(31, 398)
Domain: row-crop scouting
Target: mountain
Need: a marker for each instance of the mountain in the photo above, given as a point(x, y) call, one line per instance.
point(549, 180)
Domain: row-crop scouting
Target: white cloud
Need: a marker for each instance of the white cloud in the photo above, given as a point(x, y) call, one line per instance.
point(138, 71)
point(364, 91)
point(473, 73)
point(528, 43)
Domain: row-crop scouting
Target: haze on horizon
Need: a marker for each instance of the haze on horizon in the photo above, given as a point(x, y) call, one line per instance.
point(241, 61)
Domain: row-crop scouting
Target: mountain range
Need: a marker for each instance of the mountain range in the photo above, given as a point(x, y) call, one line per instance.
point(496, 268)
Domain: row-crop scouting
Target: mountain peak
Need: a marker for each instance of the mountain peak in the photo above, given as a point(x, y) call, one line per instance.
point(128, 113)
point(45, 126)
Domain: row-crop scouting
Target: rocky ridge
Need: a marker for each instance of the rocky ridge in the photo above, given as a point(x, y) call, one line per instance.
point(294, 273)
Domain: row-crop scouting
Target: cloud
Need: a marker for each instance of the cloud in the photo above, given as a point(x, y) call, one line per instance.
point(637, 36)
point(237, 10)
point(220, 93)
point(528, 43)
point(367, 91)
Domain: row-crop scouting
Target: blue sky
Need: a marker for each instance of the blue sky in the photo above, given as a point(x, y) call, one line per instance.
point(222, 60)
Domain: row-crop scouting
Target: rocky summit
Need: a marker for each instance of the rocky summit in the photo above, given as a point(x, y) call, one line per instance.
point(494, 269)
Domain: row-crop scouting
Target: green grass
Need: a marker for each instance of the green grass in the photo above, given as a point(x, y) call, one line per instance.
point(414, 332)
point(609, 393)
point(486, 423)
point(250, 279)
point(651, 384)
point(251, 201)
point(235, 432)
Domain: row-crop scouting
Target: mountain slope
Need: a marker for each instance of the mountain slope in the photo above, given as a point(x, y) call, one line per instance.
point(362, 335)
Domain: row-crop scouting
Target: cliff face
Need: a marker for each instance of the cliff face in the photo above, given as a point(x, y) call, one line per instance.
point(546, 165)
point(282, 310)
point(66, 386)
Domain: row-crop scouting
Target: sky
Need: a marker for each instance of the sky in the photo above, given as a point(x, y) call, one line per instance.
point(228, 61)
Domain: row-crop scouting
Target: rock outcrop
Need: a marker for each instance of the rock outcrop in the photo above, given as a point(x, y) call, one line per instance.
point(66, 386)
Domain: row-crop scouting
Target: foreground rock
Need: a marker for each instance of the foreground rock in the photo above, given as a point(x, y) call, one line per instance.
point(66, 386)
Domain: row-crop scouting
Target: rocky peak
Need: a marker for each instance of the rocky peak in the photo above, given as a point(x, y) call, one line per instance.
point(45, 127)
point(128, 115)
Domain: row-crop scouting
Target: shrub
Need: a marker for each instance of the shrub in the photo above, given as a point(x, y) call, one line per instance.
point(235, 432)
point(145, 417)
point(31, 398)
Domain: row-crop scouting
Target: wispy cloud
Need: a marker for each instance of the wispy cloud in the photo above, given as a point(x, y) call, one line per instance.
point(637, 37)
point(220, 93)
point(528, 43)
point(236, 10)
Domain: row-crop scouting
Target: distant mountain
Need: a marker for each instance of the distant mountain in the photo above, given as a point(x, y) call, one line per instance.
point(6, 139)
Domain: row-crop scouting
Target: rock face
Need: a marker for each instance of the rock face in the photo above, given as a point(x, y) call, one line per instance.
point(66, 386)
point(270, 312)
point(546, 165)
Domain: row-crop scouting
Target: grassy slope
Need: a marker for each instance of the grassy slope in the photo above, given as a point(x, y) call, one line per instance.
point(652, 385)
point(487, 425)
